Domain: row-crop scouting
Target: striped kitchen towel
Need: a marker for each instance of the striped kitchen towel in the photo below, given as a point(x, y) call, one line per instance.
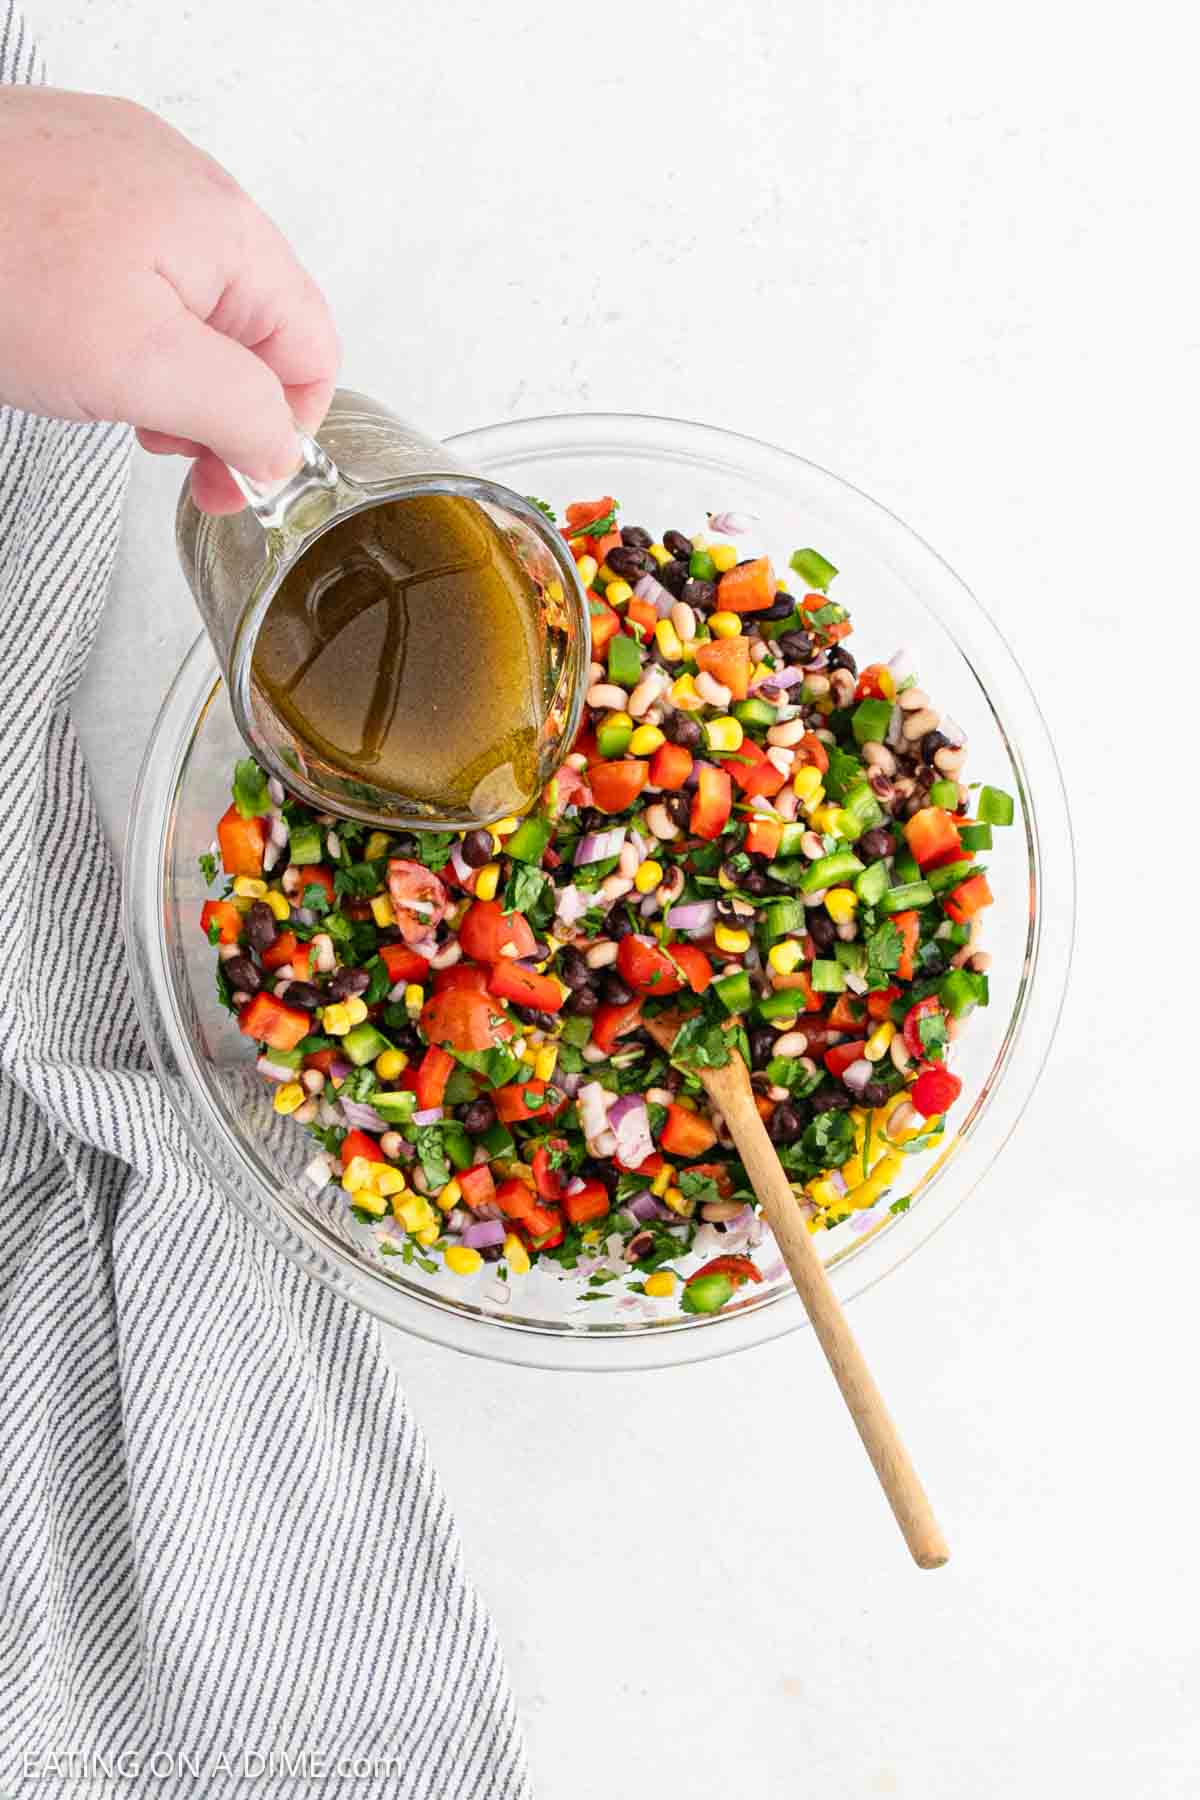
point(225, 1563)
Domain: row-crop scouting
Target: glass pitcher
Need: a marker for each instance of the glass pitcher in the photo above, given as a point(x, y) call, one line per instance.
point(364, 455)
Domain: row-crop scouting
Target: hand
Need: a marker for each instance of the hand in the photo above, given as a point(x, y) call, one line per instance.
point(138, 282)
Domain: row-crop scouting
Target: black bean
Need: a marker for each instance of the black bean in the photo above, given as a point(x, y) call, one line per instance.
point(478, 1117)
point(543, 1021)
point(821, 928)
point(302, 994)
point(762, 1046)
point(673, 576)
point(755, 882)
point(679, 809)
point(616, 923)
point(782, 607)
point(702, 595)
point(797, 646)
point(572, 969)
point(241, 973)
point(677, 544)
point(261, 931)
point(875, 843)
point(581, 1000)
point(841, 659)
point(875, 1093)
point(615, 992)
point(476, 849)
point(785, 1124)
point(830, 1099)
point(629, 562)
point(931, 743)
point(592, 819)
point(349, 982)
point(636, 536)
point(406, 1038)
point(681, 730)
point(492, 1252)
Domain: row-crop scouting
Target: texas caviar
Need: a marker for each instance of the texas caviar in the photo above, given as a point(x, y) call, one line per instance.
point(750, 831)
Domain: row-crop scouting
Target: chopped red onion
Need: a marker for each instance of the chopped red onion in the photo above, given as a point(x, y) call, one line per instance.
point(339, 1069)
point(598, 846)
point(902, 665)
point(320, 1170)
point(459, 863)
point(630, 1120)
point(735, 523)
point(456, 1219)
point(780, 678)
point(396, 993)
point(428, 1115)
point(643, 1206)
point(648, 588)
point(693, 916)
point(279, 832)
point(593, 1110)
point(570, 1082)
point(303, 915)
point(605, 1144)
point(857, 1075)
point(954, 732)
point(363, 1117)
point(576, 1185)
point(483, 1233)
point(571, 904)
point(274, 1071)
point(855, 982)
point(838, 1180)
point(894, 736)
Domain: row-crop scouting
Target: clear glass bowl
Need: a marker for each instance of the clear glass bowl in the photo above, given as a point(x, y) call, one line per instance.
point(900, 593)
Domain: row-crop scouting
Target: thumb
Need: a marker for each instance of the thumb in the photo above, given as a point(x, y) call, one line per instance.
point(190, 381)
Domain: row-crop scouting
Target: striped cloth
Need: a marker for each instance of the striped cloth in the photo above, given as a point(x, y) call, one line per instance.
point(225, 1563)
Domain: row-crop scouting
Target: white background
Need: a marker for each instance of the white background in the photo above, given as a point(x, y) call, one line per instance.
point(943, 251)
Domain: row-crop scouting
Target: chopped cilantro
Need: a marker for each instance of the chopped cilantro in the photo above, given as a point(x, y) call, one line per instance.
point(208, 867)
point(700, 1043)
point(358, 881)
point(431, 1149)
point(214, 932)
point(932, 1032)
point(315, 899)
point(434, 847)
point(527, 889)
point(543, 506)
point(884, 949)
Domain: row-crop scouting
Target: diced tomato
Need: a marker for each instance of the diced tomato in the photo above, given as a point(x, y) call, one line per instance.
point(879, 1001)
point(695, 965)
point(970, 897)
point(547, 1178)
point(488, 933)
point(934, 1091)
point(846, 1013)
point(465, 1019)
point(876, 682)
point(727, 660)
point(838, 1057)
point(544, 1228)
point(712, 802)
point(316, 875)
point(644, 615)
point(616, 785)
point(908, 924)
point(322, 1060)
point(753, 771)
point(225, 916)
point(525, 987)
point(524, 1100)
point(419, 898)
point(301, 964)
point(566, 787)
point(812, 753)
point(514, 1198)
point(469, 975)
point(750, 587)
point(588, 1202)
point(929, 1008)
point(670, 766)
point(433, 1072)
point(360, 1143)
point(611, 1022)
point(646, 967)
point(403, 964)
point(242, 843)
point(582, 513)
point(686, 1133)
point(763, 837)
point(478, 1187)
point(604, 622)
point(932, 837)
point(269, 1021)
point(281, 951)
point(601, 546)
point(737, 1268)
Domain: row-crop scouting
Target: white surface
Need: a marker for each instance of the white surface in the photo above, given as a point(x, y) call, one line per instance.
point(939, 251)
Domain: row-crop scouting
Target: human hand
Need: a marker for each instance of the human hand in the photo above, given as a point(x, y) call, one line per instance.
point(138, 282)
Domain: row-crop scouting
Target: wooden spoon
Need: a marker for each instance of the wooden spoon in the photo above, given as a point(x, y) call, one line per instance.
point(730, 1092)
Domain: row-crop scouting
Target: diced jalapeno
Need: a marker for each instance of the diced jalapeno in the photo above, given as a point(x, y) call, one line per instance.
point(529, 840)
point(871, 885)
point(304, 844)
point(624, 661)
point(362, 1044)
point(701, 566)
point(949, 875)
point(908, 897)
point(754, 712)
point(829, 870)
point(995, 806)
point(871, 720)
point(733, 991)
point(828, 977)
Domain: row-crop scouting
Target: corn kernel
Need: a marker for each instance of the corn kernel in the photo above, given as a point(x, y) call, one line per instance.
point(660, 553)
point(674, 1199)
point(376, 846)
point(668, 640)
point(381, 909)
point(279, 904)
point(725, 557)
point(823, 1192)
point(645, 740)
point(725, 624)
point(606, 574)
point(487, 881)
point(247, 888)
point(841, 903)
point(528, 1054)
point(731, 939)
point(414, 997)
point(554, 591)
point(662, 1180)
point(336, 1019)
point(660, 1284)
point(699, 541)
point(882, 1175)
point(726, 880)
point(784, 957)
point(242, 902)
point(684, 695)
point(428, 1234)
point(876, 1045)
point(450, 1196)
point(723, 734)
point(788, 1024)
point(506, 826)
point(413, 1211)
point(516, 1255)
point(545, 1062)
point(388, 1180)
point(827, 818)
point(806, 782)
point(811, 806)
point(289, 1096)
point(586, 567)
point(357, 1174)
point(356, 1010)
point(618, 592)
point(369, 1201)
point(390, 1063)
point(649, 874)
point(462, 1260)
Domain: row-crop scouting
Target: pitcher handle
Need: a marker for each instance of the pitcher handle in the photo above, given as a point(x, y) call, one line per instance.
point(273, 503)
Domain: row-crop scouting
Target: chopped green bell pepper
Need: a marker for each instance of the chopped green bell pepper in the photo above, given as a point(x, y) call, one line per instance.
point(304, 844)
point(779, 917)
point(828, 871)
point(530, 838)
point(624, 661)
point(362, 1044)
point(945, 794)
point(813, 568)
point(733, 991)
point(872, 884)
point(871, 720)
point(828, 977)
point(995, 806)
point(908, 897)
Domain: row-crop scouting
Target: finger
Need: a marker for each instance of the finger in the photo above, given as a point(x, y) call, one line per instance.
point(281, 314)
point(213, 487)
point(159, 444)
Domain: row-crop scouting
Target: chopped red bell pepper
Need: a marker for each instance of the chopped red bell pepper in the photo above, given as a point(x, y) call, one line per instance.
point(515, 1199)
point(525, 987)
point(970, 897)
point(846, 1013)
point(611, 1022)
point(933, 837)
point(433, 1072)
point(695, 965)
point(547, 1178)
point(543, 1228)
point(750, 587)
point(281, 951)
point(879, 1001)
point(727, 660)
point(811, 753)
point(588, 1202)
point(360, 1143)
point(737, 1268)
point(908, 924)
point(712, 802)
point(838, 1057)
point(269, 1021)
point(753, 770)
point(763, 837)
point(616, 785)
point(646, 967)
point(465, 1019)
point(525, 1100)
point(478, 1187)
point(686, 1133)
point(403, 964)
point(670, 766)
point(876, 682)
point(316, 875)
point(242, 843)
point(604, 622)
point(225, 916)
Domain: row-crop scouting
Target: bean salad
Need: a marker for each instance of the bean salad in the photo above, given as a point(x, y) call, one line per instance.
point(750, 833)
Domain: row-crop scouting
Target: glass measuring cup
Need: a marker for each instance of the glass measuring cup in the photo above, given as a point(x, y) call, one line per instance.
point(364, 456)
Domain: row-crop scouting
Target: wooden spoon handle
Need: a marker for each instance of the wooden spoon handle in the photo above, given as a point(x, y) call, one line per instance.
point(898, 1478)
